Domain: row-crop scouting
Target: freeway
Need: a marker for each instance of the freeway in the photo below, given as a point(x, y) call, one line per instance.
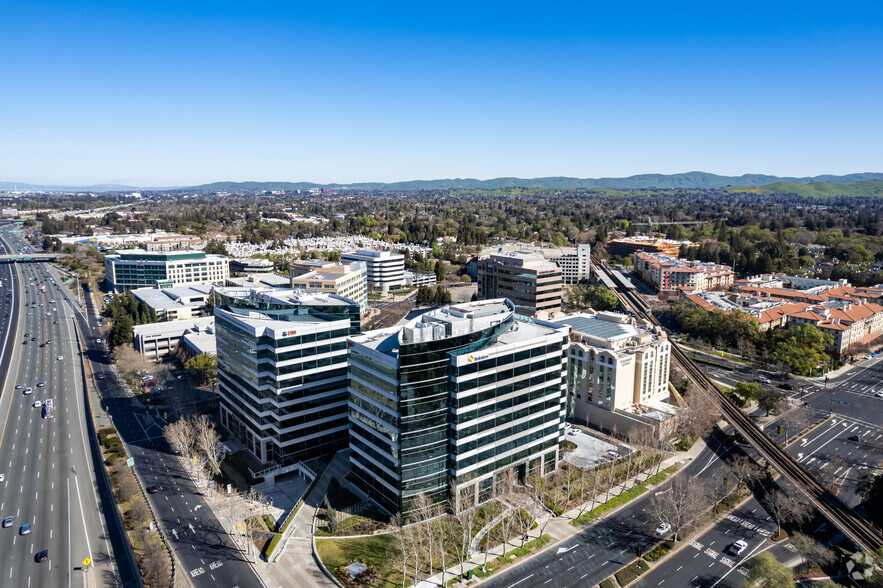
point(49, 480)
point(601, 549)
point(205, 551)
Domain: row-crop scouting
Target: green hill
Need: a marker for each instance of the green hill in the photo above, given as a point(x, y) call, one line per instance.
point(868, 189)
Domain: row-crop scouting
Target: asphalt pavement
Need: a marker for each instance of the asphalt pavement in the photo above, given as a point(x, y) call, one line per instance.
point(207, 556)
point(49, 478)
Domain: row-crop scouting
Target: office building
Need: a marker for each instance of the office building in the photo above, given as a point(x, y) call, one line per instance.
point(532, 283)
point(138, 268)
point(349, 280)
point(282, 371)
point(246, 266)
point(458, 395)
point(175, 303)
point(156, 341)
point(385, 269)
point(575, 262)
point(414, 279)
point(615, 363)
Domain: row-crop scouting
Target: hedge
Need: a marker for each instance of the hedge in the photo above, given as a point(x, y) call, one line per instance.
point(271, 546)
point(614, 502)
point(660, 477)
point(659, 551)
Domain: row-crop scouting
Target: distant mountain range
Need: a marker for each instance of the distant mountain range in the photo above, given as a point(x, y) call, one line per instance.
point(689, 180)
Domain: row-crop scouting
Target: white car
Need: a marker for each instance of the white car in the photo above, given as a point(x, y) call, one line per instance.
point(763, 379)
point(2, 477)
point(738, 547)
point(28, 390)
point(663, 528)
point(879, 394)
point(60, 357)
point(37, 404)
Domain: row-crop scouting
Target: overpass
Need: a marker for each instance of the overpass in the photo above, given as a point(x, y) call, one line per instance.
point(28, 257)
point(858, 529)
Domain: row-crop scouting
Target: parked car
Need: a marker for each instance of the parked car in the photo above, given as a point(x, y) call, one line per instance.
point(663, 528)
point(854, 438)
point(763, 379)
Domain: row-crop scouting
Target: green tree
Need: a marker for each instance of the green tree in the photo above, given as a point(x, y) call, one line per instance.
point(202, 367)
point(767, 569)
point(440, 271)
point(746, 392)
point(216, 249)
point(803, 349)
point(769, 400)
point(601, 298)
point(121, 331)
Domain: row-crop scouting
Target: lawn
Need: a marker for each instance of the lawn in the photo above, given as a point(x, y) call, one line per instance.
point(337, 552)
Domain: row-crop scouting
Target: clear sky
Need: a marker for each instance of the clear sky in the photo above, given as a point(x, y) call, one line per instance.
point(160, 93)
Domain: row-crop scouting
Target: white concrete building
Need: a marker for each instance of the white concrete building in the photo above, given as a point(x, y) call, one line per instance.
point(137, 268)
point(158, 340)
point(385, 269)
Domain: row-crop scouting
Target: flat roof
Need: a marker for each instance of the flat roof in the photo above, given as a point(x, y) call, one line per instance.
point(599, 328)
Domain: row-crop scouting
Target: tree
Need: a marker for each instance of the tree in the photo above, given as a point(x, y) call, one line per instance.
point(203, 368)
point(440, 271)
point(812, 552)
point(765, 568)
point(770, 400)
point(121, 332)
point(216, 249)
point(746, 392)
point(698, 418)
point(129, 361)
point(784, 508)
point(745, 469)
point(208, 442)
point(601, 297)
point(803, 350)
point(181, 437)
point(680, 501)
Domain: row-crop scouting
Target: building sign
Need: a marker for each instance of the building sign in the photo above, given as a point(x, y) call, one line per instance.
point(288, 333)
point(477, 358)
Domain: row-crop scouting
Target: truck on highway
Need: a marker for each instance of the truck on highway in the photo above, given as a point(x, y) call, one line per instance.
point(48, 409)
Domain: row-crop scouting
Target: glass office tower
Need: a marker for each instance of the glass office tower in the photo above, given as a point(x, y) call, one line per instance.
point(282, 370)
point(458, 395)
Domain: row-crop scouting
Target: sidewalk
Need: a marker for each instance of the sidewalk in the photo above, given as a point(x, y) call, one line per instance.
point(559, 528)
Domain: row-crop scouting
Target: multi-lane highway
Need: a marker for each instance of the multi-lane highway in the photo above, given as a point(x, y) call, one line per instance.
point(207, 555)
point(48, 476)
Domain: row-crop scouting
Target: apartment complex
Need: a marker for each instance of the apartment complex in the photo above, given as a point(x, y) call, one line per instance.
point(282, 371)
point(349, 280)
point(532, 283)
point(615, 363)
point(458, 395)
point(664, 273)
point(138, 268)
point(385, 269)
point(628, 245)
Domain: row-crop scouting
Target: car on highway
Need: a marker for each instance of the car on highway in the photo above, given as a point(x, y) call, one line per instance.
point(663, 528)
point(737, 547)
point(7, 522)
point(2, 477)
point(33, 338)
point(100, 376)
point(152, 489)
point(37, 404)
point(41, 556)
point(25, 342)
point(40, 384)
point(18, 386)
point(28, 390)
point(60, 357)
point(25, 529)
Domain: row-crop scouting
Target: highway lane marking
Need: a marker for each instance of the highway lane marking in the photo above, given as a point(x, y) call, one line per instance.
point(523, 580)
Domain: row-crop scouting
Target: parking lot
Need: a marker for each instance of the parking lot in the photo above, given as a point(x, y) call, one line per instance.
point(590, 450)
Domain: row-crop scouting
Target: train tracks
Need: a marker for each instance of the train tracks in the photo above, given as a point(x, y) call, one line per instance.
point(856, 528)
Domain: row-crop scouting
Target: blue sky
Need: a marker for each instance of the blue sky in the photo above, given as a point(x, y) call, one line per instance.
point(177, 93)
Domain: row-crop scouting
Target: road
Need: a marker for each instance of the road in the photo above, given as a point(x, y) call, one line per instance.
point(49, 479)
point(206, 553)
point(601, 549)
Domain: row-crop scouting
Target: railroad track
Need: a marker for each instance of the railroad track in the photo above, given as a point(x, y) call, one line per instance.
point(856, 528)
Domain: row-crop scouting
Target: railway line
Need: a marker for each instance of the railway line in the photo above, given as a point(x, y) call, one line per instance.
point(860, 531)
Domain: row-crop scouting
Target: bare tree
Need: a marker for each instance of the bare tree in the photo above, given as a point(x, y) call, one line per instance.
point(129, 361)
point(785, 508)
point(464, 515)
point(181, 436)
point(139, 512)
point(700, 415)
point(154, 561)
point(208, 441)
point(683, 498)
point(401, 545)
point(745, 469)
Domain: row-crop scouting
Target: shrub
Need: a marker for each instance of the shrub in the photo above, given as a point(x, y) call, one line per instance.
point(608, 583)
point(271, 545)
point(625, 576)
point(659, 551)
